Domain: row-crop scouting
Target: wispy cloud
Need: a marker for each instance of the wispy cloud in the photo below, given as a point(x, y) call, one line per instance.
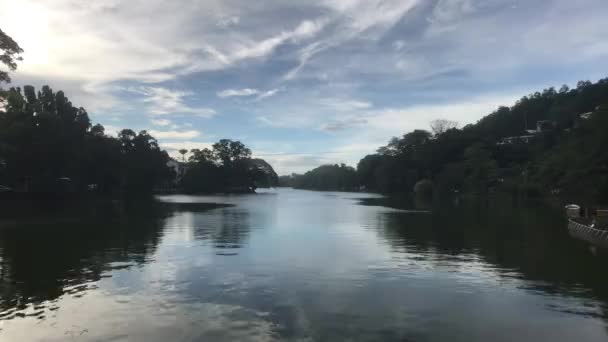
point(247, 92)
point(372, 67)
point(266, 94)
point(163, 101)
point(397, 121)
point(237, 92)
point(160, 122)
point(292, 120)
point(341, 104)
point(341, 125)
point(175, 134)
point(111, 130)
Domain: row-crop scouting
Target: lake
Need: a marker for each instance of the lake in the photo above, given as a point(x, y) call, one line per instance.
point(293, 265)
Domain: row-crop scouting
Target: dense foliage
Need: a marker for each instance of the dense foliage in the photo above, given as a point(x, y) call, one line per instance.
point(227, 167)
point(549, 142)
point(9, 55)
point(48, 145)
point(325, 177)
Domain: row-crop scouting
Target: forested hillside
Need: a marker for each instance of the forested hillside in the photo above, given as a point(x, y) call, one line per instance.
point(549, 142)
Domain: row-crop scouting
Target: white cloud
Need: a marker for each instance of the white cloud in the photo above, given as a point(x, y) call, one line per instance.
point(163, 101)
point(447, 12)
point(113, 41)
point(287, 162)
point(111, 130)
point(171, 146)
point(247, 92)
point(355, 19)
point(266, 94)
point(340, 125)
point(237, 92)
point(397, 121)
point(160, 122)
point(174, 134)
point(304, 30)
point(346, 105)
point(292, 120)
point(348, 62)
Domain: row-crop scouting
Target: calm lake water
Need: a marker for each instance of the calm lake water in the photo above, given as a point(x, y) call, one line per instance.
point(297, 266)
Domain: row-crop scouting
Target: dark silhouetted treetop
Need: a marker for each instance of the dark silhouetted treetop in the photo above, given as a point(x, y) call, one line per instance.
point(326, 178)
point(47, 145)
point(227, 167)
point(9, 55)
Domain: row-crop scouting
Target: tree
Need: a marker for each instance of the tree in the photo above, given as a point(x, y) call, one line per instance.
point(263, 174)
point(44, 139)
point(202, 156)
point(327, 178)
point(408, 143)
point(568, 156)
point(227, 167)
point(183, 152)
point(228, 151)
point(367, 171)
point(9, 55)
point(440, 126)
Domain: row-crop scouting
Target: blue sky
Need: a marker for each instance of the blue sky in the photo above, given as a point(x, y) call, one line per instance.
point(302, 83)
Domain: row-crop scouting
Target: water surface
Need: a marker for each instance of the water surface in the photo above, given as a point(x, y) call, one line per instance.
point(297, 266)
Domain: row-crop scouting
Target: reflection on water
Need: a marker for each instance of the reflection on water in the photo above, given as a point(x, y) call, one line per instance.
point(296, 265)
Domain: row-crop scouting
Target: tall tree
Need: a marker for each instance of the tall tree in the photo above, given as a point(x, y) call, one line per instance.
point(9, 55)
point(227, 167)
point(183, 152)
point(47, 144)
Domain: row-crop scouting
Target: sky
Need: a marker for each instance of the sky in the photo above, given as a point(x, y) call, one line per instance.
point(302, 83)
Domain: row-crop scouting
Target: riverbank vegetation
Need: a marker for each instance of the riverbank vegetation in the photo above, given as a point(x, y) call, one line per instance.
point(47, 145)
point(50, 146)
point(324, 178)
point(548, 143)
point(226, 167)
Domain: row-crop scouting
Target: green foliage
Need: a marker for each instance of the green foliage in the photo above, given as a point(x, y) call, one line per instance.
point(326, 178)
point(48, 145)
point(562, 152)
point(9, 55)
point(580, 161)
point(227, 167)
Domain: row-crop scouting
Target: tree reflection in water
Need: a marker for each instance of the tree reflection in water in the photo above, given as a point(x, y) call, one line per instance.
point(527, 241)
point(48, 250)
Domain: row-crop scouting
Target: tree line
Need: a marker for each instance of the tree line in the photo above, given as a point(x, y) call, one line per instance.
point(549, 142)
point(226, 167)
point(325, 177)
point(48, 145)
